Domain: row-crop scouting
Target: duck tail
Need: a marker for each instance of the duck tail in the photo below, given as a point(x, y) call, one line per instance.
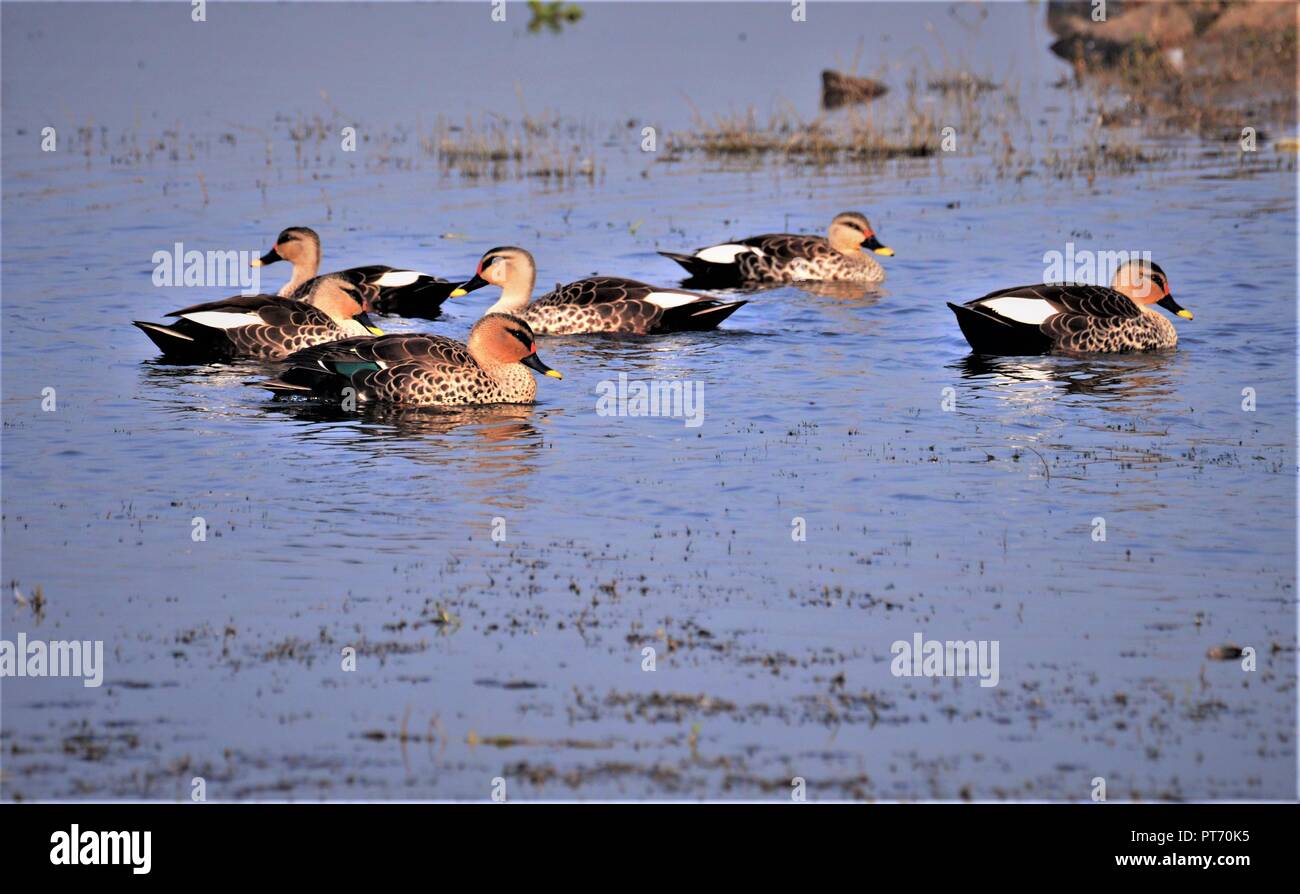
point(699, 316)
point(321, 381)
point(280, 386)
point(704, 272)
point(421, 300)
point(987, 334)
point(174, 343)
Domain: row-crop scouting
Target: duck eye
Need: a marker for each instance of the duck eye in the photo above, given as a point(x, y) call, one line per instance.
point(524, 339)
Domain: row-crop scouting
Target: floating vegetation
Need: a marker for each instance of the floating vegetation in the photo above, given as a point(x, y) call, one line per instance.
point(546, 147)
point(821, 141)
point(473, 740)
point(36, 602)
point(552, 15)
point(961, 82)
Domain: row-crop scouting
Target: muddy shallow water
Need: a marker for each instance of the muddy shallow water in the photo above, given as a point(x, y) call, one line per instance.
point(940, 494)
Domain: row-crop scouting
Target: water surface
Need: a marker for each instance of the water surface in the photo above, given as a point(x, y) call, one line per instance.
point(523, 658)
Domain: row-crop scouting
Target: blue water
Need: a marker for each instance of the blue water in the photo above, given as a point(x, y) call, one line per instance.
point(772, 655)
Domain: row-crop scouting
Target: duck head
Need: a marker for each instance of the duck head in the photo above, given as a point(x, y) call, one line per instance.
point(1145, 283)
point(300, 246)
point(509, 267)
point(344, 308)
point(499, 339)
point(851, 233)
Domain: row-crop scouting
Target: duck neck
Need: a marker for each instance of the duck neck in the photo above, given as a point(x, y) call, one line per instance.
point(515, 296)
point(303, 271)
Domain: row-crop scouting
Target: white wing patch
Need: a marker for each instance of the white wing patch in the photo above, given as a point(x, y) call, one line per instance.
point(1023, 310)
point(394, 279)
point(672, 299)
point(218, 319)
point(724, 254)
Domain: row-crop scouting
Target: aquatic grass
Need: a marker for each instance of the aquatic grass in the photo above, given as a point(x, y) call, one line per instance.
point(822, 140)
point(497, 148)
point(961, 82)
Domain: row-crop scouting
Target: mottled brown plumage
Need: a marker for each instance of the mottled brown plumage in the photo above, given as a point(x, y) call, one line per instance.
point(422, 370)
point(840, 256)
point(261, 327)
point(606, 304)
point(1075, 319)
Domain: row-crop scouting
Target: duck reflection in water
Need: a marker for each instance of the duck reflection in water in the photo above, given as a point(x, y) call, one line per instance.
point(505, 425)
point(1123, 378)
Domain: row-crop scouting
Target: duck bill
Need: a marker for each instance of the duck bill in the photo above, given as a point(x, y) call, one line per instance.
point(1169, 304)
point(532, 361)
point(877, 246)
point(364, 319)
point(269, 258)
point(469, 285)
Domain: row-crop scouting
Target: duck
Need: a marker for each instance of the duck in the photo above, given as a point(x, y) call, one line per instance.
point(380, 289)
point(840, 256)
point(259, 327)
point(1075, 319)
point(597, 304)
point(423, 370)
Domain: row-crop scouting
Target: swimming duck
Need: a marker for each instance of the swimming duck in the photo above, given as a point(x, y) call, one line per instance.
point(262, 327)
point(423, 370)
point(841, 256)
point(385, 290)
point(1075, 319)
point(596, 304)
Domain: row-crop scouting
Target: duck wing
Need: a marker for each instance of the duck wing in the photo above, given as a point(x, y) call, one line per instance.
point(396, 369)
point(615, 304)
point(784, 247)
point(243, 310)
point(1094, 318)
point(1034, 319)
point(384, 351)
point(260, 326)
point(387, 290)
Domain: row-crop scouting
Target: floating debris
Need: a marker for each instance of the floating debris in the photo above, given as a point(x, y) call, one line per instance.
point(37, 601)
point(552, 15)
point(962, 82)
point(839, 89)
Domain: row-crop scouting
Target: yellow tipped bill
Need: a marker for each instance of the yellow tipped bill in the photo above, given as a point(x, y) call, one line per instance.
point(1169, 304)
